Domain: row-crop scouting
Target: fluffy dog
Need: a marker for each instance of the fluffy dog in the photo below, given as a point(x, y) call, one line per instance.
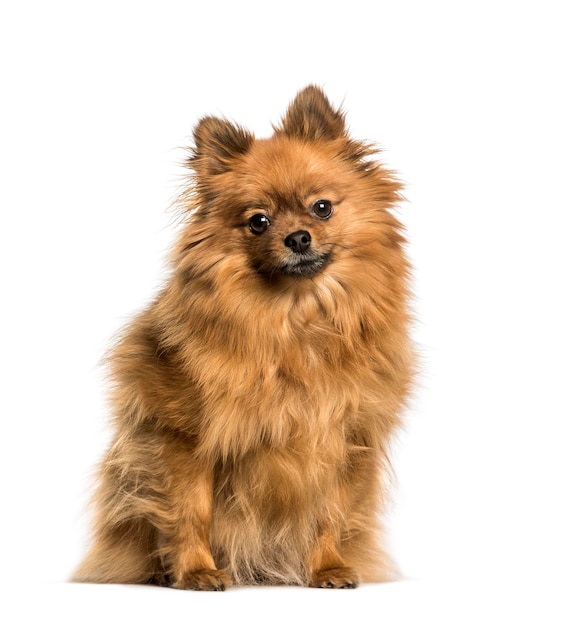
point(255, 398)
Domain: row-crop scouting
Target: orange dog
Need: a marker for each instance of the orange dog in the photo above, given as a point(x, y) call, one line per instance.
point(255, 398)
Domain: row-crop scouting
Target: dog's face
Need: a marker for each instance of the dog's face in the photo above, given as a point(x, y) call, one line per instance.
point(297, 204)
point(291, 221)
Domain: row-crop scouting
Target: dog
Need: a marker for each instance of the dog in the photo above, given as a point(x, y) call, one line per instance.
point(255, 399)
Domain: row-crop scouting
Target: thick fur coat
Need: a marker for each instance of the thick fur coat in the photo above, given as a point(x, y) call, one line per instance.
point(255, 398)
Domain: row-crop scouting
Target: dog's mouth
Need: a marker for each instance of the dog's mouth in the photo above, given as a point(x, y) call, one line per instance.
point(305, 264)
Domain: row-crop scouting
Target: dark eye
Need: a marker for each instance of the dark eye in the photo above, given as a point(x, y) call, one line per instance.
point(322, 209)
point(259, 223)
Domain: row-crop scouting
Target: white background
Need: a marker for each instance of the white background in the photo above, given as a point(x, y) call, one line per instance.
point(467, 101)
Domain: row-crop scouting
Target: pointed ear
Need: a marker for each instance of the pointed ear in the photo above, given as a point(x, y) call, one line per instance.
point(310, 116)
point(217, 143)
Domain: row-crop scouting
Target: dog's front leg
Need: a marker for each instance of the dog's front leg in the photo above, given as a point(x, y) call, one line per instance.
point(191, 560)
point(326, 566)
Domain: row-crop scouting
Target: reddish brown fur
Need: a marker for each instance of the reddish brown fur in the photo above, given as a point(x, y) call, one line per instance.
point(253, 409)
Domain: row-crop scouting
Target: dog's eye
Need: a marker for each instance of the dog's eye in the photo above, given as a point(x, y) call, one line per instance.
point(322, 209)
point(259, 223)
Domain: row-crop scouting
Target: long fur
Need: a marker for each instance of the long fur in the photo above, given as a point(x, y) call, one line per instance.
point(253, 409)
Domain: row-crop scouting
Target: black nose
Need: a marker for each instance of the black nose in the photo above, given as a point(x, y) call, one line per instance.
point(299, 241)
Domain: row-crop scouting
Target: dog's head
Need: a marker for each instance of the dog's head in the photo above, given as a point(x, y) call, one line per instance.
point(303, 203)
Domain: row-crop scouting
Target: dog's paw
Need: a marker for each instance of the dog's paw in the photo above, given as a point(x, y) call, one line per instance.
point(204, 580)
point(335, 578)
